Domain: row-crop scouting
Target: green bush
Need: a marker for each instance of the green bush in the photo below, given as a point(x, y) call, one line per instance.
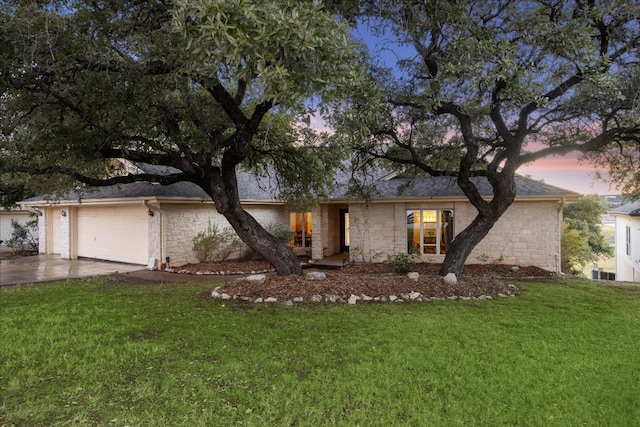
point(401, 263)
point(24, 237)
point(281, 232)
point(214, 244)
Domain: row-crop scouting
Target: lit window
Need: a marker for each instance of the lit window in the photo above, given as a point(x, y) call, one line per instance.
point(429, 232)
point(300, 223)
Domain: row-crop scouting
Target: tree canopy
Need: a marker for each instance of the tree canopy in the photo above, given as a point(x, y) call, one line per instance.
point(583, 241)
point(480, 88)
point(205, 87)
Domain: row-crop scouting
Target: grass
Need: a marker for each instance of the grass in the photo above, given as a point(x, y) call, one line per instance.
point(89, 353)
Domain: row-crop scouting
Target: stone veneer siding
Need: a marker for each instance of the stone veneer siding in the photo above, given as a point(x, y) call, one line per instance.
point(527, 234)
point(182, 222)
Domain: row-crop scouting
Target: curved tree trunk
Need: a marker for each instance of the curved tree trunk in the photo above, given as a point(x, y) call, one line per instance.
point(222, 187)
point(281, 257)
point(488, 214)
point(462, 245)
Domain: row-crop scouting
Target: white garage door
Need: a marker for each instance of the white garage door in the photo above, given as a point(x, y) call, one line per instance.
point(114, 233)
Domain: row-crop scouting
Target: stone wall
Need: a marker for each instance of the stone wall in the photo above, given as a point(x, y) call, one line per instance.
point(182, 222)
point(528, 233)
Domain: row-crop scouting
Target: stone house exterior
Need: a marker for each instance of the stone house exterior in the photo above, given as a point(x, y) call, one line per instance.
point(139, 222)
point(627, 220)
point(527, 234)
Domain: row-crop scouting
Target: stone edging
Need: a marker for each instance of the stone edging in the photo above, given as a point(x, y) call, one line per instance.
point(352, 299)
point(219, 273)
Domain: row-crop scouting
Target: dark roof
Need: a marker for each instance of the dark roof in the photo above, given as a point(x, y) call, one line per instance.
point(249, 186)
point(445, 186)
point(631, 209)
point(255, 188)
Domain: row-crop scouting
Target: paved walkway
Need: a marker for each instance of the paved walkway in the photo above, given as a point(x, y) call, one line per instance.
point(44, 268)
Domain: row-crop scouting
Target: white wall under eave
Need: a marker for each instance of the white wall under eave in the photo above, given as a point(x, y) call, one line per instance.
point(627, 265)
point(6, 230)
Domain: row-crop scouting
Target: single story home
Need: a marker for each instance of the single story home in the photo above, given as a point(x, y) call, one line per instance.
point(627, 220)
point(137, 222)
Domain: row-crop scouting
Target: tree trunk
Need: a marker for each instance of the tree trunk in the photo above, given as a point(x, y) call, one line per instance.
point(488, 214)
point(465, 241)
point(281, 257)
point(222, 187)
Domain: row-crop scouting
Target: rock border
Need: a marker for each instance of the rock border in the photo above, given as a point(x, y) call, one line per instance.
point(219, 273)
point(512, 290)
point(354, 299)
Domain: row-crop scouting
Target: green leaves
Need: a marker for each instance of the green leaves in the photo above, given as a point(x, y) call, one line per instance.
point(286, 50)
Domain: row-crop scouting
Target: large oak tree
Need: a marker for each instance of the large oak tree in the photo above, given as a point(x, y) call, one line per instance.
point(480, 88)
point(205, 87)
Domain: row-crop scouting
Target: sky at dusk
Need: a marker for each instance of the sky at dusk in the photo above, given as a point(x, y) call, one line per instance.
point(566, 172)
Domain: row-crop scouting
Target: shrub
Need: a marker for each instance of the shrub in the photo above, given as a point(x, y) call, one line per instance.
point(401, 263)
point(214, 244)
point(281, 232)
point(24, 237)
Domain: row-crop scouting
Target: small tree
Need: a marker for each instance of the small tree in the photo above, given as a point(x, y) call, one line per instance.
point(585, 218)
point(24, 237)
point(575, 250)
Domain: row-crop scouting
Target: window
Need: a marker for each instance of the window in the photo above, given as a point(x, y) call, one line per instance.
point(628, 240)
point(429, 231)
point(300, 223)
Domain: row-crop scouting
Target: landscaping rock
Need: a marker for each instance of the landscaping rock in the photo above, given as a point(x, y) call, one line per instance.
point(414, 275)
point(316, 275)
point(256, 278)
point(450, 279)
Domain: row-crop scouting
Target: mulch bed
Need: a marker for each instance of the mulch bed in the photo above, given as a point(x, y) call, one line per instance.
point(372, 280)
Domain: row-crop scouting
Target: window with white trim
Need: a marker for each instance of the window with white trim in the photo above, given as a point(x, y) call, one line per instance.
point(429, 231)
point(628, 239)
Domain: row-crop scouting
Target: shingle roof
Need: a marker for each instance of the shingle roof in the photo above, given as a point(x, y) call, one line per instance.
point(445, 186)
point(252, 188)
point(631, 209)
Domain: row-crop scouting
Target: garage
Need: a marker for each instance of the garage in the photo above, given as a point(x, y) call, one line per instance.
point(115, 233)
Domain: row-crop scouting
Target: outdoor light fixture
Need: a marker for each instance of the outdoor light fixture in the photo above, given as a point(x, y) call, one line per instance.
point(150, 212)
point(63, 212)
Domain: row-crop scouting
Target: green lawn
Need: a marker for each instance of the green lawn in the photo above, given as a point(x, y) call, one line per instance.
point(86, 353)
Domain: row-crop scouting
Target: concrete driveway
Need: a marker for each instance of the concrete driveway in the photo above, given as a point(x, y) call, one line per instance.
point(45, 268)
